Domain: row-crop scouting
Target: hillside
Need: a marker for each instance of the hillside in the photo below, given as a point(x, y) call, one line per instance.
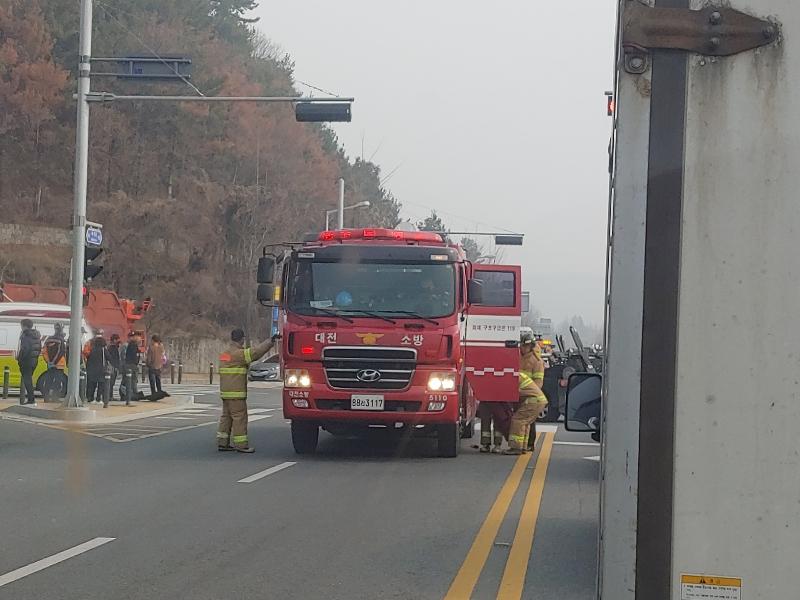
point(188, 193)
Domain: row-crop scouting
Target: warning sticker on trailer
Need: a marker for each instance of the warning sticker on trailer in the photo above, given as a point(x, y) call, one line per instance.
point(710, 587)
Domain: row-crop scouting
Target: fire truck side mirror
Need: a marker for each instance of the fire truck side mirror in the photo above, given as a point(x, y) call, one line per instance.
point(475, 291)
point(266, 294)
point(266, 269)
point(584, 402)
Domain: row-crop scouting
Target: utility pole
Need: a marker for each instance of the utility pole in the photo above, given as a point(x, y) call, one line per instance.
point(341, 203)
point(79, 214)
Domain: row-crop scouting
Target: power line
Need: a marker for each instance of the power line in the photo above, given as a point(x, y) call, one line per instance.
point(389, 176)
point(107, 9)
point(313, 87)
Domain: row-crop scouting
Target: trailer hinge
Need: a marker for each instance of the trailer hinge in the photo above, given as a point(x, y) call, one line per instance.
point(713, 31)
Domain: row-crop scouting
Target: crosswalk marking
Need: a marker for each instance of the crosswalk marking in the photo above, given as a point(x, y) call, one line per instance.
point(191, 390)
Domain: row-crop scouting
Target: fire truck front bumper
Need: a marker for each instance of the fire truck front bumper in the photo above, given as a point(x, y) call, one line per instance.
point(414, 406)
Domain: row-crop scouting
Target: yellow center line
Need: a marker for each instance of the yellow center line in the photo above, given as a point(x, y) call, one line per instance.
point(470, 571)
point(517, 565)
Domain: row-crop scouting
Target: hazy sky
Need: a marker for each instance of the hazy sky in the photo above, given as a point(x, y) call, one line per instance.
point(493, 112)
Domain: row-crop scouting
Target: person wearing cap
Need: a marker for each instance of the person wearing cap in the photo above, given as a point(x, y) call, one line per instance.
point(531, 399)
point(234, 363)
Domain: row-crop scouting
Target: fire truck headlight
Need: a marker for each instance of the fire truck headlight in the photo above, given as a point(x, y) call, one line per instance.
point(442, 382)
point(297, 378)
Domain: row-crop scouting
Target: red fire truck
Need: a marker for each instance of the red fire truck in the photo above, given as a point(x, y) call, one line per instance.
point(103, 309)
point(391, 329)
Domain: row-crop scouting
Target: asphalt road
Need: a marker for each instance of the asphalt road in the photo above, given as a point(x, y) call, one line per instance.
point(166, 516)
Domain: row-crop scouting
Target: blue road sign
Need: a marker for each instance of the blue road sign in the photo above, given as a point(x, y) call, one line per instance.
point(94, 236)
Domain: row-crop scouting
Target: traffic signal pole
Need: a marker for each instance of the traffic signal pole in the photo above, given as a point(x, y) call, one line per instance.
point(73, 399)
point(313, 110)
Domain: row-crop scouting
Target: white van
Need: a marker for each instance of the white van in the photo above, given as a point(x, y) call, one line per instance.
point(44, 317)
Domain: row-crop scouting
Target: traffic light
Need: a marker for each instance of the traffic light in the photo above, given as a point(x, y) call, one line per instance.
point(90, 268)
point(323, 112)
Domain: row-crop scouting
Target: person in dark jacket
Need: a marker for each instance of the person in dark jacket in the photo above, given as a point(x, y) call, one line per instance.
point(53, 383)
point(130, 357)
point(96, 366)
point(114, 361)
point(30, 347)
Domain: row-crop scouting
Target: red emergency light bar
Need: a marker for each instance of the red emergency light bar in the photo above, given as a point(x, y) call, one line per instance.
point(380, 234)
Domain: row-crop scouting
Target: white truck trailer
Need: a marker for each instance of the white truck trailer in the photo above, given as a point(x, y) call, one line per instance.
point(700, 469)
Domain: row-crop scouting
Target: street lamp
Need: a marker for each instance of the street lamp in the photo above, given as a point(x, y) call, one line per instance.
point(328, 213)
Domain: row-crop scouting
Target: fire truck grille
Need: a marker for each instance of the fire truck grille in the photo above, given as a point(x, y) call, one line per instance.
point(360, 368)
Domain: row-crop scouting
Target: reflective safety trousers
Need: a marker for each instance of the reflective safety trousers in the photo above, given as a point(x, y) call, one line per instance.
point(232, 430)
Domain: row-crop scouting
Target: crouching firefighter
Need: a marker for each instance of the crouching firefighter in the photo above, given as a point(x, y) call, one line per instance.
point(233, 366)
point(495, 420)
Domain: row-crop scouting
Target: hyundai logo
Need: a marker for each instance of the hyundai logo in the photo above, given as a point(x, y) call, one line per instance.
point(368, 375)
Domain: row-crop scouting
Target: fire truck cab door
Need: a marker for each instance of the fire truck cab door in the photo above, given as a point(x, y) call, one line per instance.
point(491, 334)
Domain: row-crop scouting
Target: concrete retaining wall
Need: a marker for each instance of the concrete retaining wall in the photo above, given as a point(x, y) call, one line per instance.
point(18, 235)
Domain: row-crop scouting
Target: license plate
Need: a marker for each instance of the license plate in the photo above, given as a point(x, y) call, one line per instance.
point(366, 402)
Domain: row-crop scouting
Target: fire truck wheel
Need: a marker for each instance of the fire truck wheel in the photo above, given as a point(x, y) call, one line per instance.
point(305, 437)
point(449, 440)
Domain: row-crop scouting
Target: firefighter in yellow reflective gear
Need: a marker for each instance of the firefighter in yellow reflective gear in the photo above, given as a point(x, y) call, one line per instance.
point(531, 399)
point(233, 366)
point(532, 363)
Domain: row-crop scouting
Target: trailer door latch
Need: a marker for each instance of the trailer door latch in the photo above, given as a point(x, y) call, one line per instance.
point(712, 31)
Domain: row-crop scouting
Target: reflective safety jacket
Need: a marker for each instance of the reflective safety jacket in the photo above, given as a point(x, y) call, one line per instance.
point(54, 352)
point(537, 367)
point(531, 374)
point(233, 366)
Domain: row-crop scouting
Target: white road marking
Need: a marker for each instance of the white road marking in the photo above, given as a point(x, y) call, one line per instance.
point(576, 443)
point(592, 458)
point(255, 418)
point(180, 418)
point(149, 435)
point(40, 565)
point(266, 472)
point(126, 427)
point(255, 411)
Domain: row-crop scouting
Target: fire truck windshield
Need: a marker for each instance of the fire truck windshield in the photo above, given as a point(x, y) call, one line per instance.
point(393, 290)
